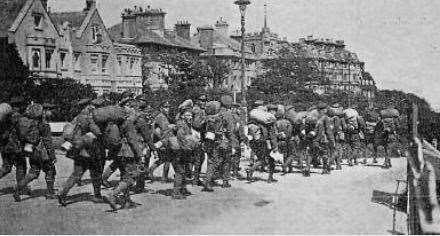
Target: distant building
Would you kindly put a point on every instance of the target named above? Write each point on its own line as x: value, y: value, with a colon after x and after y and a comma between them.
x: 145, y: 29
x: 92, y: 58
x: 218, y: 44
x: 27, y: 25
x: 341, y: 69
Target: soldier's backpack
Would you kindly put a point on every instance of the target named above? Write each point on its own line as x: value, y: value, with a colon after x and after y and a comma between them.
x: 389, y: 125
x: 283, y: 126
x: 370, y: 127
x: 27, y: 130
x: 107, y: 114
x: 352, y: 125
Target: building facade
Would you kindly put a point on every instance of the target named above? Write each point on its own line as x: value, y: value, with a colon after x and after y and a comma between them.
x: 218, y: 44
x: 145, y: 29
x: 92, y: 57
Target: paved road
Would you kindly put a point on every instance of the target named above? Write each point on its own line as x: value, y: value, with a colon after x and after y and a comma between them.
x: 335, y: 204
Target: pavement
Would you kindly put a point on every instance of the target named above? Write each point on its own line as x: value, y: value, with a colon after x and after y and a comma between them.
x: 340, y: 203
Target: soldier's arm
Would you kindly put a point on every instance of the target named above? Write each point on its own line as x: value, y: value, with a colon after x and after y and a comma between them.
x: 329, y: 130
x: 94, y: 128
x: 46, y: 139
x: 130, y: 133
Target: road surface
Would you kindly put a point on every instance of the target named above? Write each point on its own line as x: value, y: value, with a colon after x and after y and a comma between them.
x: 339, y: 203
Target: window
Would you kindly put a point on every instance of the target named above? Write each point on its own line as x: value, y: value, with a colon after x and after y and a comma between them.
x: 96, y: 34
x: 63, y: 58
x: 94, y: 63
x: 104, y: 63
x: 38, y: 22
x: 49, y: 54
x: 76, y: 58
x: 119, y: 59
x: 36, y: 58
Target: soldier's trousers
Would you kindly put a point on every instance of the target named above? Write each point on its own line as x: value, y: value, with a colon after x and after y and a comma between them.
x: 164, y: 158
x: 219, y: 159
x: 48, y: 167
x: 179, y: 161
x: 235, y: 159
x: 288, y: 149
x: 131, y: 170
x: 80, y: 166
x: 355, y: 151
x: 323, y: 151
x: 199, y: 158
x: 337, y: 154
x: 262, y: 152
x: 11, y: 159
x: 305, y: 155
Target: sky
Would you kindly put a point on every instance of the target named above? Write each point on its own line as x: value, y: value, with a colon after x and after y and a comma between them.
x: 399, y: 40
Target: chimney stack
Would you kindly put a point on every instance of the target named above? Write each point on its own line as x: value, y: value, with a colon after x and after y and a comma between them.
x: 90, y: 4
x: 206, y: 39
x: 222, y: 27
x: 129, y: 30
x: 183, y: 30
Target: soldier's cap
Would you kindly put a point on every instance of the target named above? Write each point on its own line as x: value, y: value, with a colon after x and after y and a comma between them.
x: 322, y: 105
x: 336, y: 105
x: 203, y: 98
x: 49, y: 105
x: 17, y: 100
x: 272, y: 107
x: 165, y: 104
x: 259, y: 102
x: 84, y: 101
x: 98, y: 102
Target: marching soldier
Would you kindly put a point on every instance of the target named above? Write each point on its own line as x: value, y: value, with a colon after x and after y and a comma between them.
x: 11, y: 149
x: 87, y: 154
x: 239, y: 133
x: 286, y: 145
x: 354, y: 129
x: 263, y: 139
x: 161, y: 128
x: 324, y: 142
x: 199, y: 124
x: 338, y: 124
x: 219, y: 133
x: 40, y: 150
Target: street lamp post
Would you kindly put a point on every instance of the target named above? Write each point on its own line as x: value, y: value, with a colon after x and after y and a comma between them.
x: 242, y: 4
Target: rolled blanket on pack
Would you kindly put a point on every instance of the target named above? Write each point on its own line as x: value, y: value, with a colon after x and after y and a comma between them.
x: 350, y: 113
x: 262, y: 116
x: 114, y: 114
x: 389, y: 113
x: 5, y: 110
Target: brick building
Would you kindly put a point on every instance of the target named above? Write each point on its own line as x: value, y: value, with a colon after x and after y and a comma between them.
x: 218, y: 44
x: 145, y: 29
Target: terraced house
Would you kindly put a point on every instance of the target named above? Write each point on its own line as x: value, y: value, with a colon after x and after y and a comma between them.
x: 70, y: 45
x: 145, y: 29
x: 92, y: 57
x: 27, y: 25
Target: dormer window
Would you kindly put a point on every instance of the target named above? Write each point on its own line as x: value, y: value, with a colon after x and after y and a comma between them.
x: 38, y: 21
x: 96, y: 34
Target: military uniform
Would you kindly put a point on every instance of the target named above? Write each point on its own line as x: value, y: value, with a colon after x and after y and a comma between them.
x: 199, y: 123
x: 43, y: 155
x: 161, y: 129
x: 90, y: 157
x: 219, y: 133
x: 324, y: 142
x: 11, y: 149
x: 285, y: 143
x: 353, y: 137
x: 338, y: 130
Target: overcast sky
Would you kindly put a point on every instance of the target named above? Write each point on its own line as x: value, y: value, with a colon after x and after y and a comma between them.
x: 398, y: 39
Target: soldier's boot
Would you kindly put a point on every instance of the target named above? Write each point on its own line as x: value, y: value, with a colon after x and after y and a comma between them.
x: 185, y: 191
x: 106, y: 176
x: 50, y: 192
x: 79, y: 183
x: 207, y: 186
x: 226, y: 184
x: 61, y: 200
x: 16, y: 195
x: 374, y: 160
x: 237, y: 174
x: 140, y: 184
x: 111, y: 197
x: 365, y: 161
x: 271, y: 179
x: 249, y: 175
x: 177, y: 194
x: 350, y: 162
x: 166, y: 169
x: 306, y: 172
x: 284, y: 170
x: 151, y: 171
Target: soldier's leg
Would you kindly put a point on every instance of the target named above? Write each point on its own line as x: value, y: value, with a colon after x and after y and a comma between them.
x: 271, y: 164
x: 338, y: 155
x: 307, y: 154
x: 227, y: 163
x: 199, y: 156
x: 79, y: 167
x: 96, y: 175
x: 108, y: 171
x: 20, y: 167
x: 127, y: 181
x: 50, y: 173
x: 179, y: 177
x: 212, y: 167
x: 33, y: 174
x: 7, y: 163
x: 325, y: 154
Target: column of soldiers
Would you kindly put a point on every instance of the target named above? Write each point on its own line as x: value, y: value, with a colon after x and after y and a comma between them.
x: 130, y: 133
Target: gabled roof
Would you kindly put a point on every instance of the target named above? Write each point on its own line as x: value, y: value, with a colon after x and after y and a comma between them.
x: 9, y: 11
x: 75, y: 19
x: 145, y: 36
x: 220, y: 39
